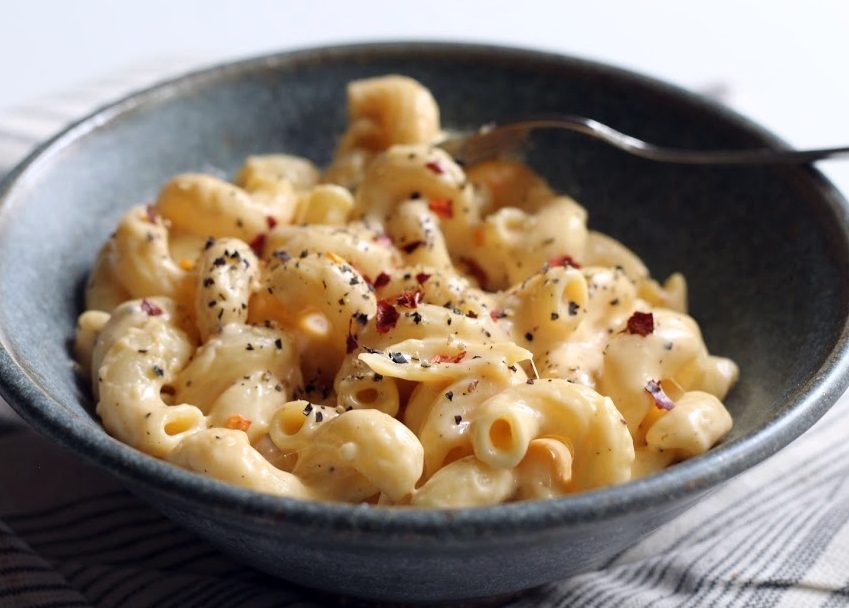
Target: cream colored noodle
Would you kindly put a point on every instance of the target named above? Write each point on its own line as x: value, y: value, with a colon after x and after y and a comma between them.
x: 398, y: 330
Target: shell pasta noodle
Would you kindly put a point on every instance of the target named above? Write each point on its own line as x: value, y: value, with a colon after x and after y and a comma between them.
x: 398, y: 329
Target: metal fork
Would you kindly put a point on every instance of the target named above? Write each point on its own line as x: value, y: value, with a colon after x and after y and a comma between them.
x: 496, y: 140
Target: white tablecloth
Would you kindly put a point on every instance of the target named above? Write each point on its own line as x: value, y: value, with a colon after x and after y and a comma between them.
x: 71, y: 536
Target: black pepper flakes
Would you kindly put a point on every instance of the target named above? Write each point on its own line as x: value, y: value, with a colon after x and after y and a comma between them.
x: 350, y: 343
x: 158, y: 371
x: 319, y: 416
x: 449, y: 395
x: 398, y: 358
x: 278, y: 343
x: 458, y: 419
x: 308, y: 409
x: 573, y: 308
x: 529, y: 336
x: 554, y: 316
x: 249, y: 346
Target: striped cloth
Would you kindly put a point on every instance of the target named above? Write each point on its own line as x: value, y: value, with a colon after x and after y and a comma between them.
x: 775, y: 536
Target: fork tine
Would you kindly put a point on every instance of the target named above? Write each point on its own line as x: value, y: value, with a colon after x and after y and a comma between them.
x: 485, y: 145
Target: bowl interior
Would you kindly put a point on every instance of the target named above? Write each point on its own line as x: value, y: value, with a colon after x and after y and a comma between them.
x: 764, y: 249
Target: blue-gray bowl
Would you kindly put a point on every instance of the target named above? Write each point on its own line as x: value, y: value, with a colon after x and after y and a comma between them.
x: 765, y: 251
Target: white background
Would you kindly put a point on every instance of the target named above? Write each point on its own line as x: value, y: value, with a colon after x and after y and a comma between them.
x: 784, y: 64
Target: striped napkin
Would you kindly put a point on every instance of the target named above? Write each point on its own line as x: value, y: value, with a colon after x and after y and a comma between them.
x: 71, y: 536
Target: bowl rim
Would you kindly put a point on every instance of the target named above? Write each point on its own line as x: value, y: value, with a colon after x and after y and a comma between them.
x: 24, y: 392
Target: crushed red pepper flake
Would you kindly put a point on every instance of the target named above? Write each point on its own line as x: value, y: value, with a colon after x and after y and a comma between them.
x: 383, y: 239
x: 449, y: 358
x: 497, y: 314
x: 563, y: 260
x: 410, y: 299
x: 258, y: 244
x: 237, y: 423
x: 435, y: 167
x: 150, y: 309
x: 641, y: 323
x: 270, y: 222
x: 422, y: 278
x: 387, y: 316
x: 412, y: 246
x: 381, y: 280
x: 151, y: 213
x: 661, y: 399
x: 442, y: 207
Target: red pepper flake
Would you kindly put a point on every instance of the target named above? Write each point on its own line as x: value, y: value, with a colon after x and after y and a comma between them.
x: 442, y: 207
x: 563, y: 260
x: 237, y: 423
x: 383, y: 239
x: 270, y: 222
x: 422, y: 277
x: 382, y: 280
x: 258, y: 244
x: 410, y: 299
x: 497, y: 314
x: 151, y: 213
x: 448, y: 358
x: 150, y: 309
x: 661, y: 399
x: 435, y: 167
x: 641, y: 323
x: 474, y: 269
x: 387, y: 316
x: 411, y: 247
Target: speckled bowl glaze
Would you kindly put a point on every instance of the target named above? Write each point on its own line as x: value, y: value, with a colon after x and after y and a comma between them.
x: 765, y: 251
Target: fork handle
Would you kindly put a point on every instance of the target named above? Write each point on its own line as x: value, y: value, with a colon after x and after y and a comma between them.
x: 632, y: 145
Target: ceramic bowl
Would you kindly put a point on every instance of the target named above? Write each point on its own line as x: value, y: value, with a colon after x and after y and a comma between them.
x: 765, y: 251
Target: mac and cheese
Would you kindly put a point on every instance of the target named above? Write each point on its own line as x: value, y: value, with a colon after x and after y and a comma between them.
x: 399, y: 330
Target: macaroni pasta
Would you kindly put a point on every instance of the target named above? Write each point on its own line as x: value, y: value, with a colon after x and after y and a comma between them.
x: 399, y: 330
